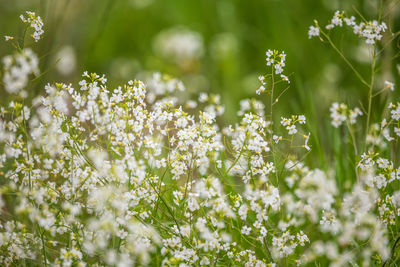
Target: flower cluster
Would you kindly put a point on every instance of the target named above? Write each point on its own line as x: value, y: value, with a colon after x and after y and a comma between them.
x: 35, y: 22
x: 313, y: 31
x: 17, y: 68
x: 290, y: 123
x: 94, y: 166
x: 132, y: 175
x: 179, y: 45
x: 371, y: 31
x: 261, y: 89
x: 277, y: 62
x: 276, y: 59
x: 340, y: 114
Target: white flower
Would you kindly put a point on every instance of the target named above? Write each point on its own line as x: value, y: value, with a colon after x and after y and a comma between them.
x: 366, y: 161
x: 35, y: 22
x: 192, y: 202
x: 243, y: 211
x: 306, y: 138
x: 386, y: 134
x: 292, y: 129
x: 350, y: 21
x: 397, y: 131
x: 245, y: 230
x: 337, y: 19
x: 340, y: 113
x: 302, y: 238
x: 389, y: 85
x: 380, y: 181
x: 337, y: 117
x: 302, y: 119
x: 277, y: 138
x: 263, y: 231
x: 66, y: 60
x: 313, y: 31
x: 396, y: 113
x: 371, y: 31
x: 17, y: 69
x: 260, y: 90
x: 285, y: 78
x: 261, y: 79
x: 179, y: 45
x: 285, y: 122
x: 382, y: 163
x: 354, y: 114
x: 204, y: 261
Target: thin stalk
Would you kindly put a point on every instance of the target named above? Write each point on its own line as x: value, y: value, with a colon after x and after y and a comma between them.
x: 43, y: 246
x: 268, y: 251
x: 353, y: 139
x: 240, y: 155
x: 272, y: 91
x: 371, y: 85
x: 344, y: 58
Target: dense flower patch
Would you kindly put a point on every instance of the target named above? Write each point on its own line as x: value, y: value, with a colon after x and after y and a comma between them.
x: 93, y: 175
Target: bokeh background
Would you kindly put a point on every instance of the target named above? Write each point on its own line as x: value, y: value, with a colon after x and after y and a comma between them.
x: 216, y: 46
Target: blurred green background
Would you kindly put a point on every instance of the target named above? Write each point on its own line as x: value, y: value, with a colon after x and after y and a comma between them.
x: 226, y: 41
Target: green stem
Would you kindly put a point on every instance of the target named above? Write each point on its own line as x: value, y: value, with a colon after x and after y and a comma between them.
x: 371, y: 85
x: 344, y: 58
x: 240, y: 154
x: 43, y: 246
x: 272, y: 91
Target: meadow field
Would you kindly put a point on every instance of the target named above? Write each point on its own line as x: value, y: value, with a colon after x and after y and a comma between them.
x: 194, y: 133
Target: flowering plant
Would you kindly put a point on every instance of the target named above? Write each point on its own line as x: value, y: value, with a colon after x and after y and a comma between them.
x: 93, y: 175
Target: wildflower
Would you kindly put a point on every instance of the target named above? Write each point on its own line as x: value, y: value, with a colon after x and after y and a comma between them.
x: 302, y: 238
x: 260, y: 90
x: 382, y: 163
x: 337, y: 115
x: 350, y: 21
x: 276, y: 59
x: 35, y: 22
x: 284, y: 244
x: 245, y: 230
x: 313, y: 31
x: 397, y: 131
x: 192, y: 202
x: 306, y: 139
x: 89, y: 167
x: 17, y: 69
x: 380, y: 181
x: 204, y: 261
x: 285, y: 78
x: 366, y: 161
x: 263, y: 231
x: 243, y: 211
x: 301, y: 119
x: 340, y: 113
x: 395, y: 112
x: 66, y: 63
x: 292, y: 129
x: 261, y: 79
x: 179, y: 45
x: 277, y: 138
x: 386, y: 134
x: 337, y: 20
x: 8, y: 38
x: 371, y: 31
x: 389, y: 85
x: 354, y: 114
x: 285, y: 122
